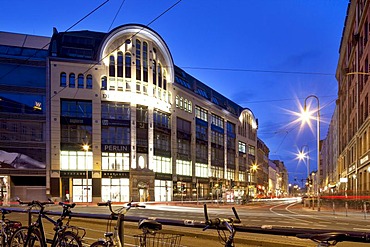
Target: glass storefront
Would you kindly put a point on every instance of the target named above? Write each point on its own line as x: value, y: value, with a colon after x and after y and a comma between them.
x: 116, y: 189
x: 81, y: 193
x: 163, y: 190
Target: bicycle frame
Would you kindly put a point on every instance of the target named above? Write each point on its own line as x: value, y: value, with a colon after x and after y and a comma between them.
x: 117, y: 237
x: 38, y: 225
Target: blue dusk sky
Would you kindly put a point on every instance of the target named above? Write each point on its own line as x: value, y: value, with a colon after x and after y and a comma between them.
x: 267, y: 55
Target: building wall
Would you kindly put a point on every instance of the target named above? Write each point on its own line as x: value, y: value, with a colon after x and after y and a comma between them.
x: 150, y: 168
x: 353, y: 100
x: 22, y: 116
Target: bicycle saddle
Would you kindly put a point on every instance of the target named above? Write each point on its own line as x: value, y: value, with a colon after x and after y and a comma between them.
x: 150, y: 224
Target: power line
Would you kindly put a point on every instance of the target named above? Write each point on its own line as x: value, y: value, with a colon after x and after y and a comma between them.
x: 259, y: 71
x: 42, y: 48
x: 119, y: 9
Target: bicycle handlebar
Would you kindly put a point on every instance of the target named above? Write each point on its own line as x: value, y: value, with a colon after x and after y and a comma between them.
x: 219, y: 221
x: 127, y: 207
x: 35, y: 203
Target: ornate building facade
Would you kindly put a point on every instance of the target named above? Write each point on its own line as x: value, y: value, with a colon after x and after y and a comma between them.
x: 125, y: 123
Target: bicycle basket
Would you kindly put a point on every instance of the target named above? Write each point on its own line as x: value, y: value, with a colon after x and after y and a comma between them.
x: 158, y: 240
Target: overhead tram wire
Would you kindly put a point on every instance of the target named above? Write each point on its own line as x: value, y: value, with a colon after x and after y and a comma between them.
x: 19, y: 64
x: 259, y: 71
x: 119, y: 9
x: 147, y: 25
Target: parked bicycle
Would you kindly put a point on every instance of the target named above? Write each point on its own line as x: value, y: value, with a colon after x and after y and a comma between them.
x: 221, y: 224
x: 114, y: 238
x: 34, y: 234
x: 325, y: 239
x: 8, y: 227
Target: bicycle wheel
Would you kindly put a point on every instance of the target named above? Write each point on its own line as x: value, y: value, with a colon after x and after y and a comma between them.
x: 99, y: 243
x: 20, y: 237
x: 69, y: 239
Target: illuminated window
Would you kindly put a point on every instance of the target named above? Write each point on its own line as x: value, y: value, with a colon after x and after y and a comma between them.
x: 183, y: 167
x: 242, y: 147
x: 115, y: 161
x: 162, y: 165
x: 80, y: 81
x: 72, y: 80
x: 177, y: 101
x: 201, y: 170
x: 63, y: 79
x: 89, y: 84
x: 190, y: 107
x: 201, y: 113
x: 76, y: 160
x: 115, y: 189
x: 185, y: 104
x: 181, y: 102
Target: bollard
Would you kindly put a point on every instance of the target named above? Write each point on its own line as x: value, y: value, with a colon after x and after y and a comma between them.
x: 346, y: 206
x: 365, y: 210
x: 333, y: 208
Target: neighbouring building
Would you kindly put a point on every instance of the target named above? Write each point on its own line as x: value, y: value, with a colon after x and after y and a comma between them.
x: 120, y: 121
x: 23, y: 140
x: 263, y: 168
x: 353, y: 163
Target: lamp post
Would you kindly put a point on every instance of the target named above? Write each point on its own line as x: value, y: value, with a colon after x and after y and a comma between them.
x: 86, y: 148
x: 302, y: 155
x: 318, y: 145
x: 252, y: 172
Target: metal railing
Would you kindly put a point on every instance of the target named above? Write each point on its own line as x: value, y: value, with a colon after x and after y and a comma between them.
x: 351, y: 236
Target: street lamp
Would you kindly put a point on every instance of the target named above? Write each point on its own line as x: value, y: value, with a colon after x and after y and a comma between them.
x: 253, y: 168
x: 86, y: 148
x: 318, y: 142
x: 303, y: 155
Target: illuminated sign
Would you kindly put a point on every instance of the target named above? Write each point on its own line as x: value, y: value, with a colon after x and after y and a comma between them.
x: 115, y: 148
x: 37, y: 106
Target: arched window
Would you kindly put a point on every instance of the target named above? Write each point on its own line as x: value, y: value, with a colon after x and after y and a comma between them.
x: 80, y: 81
x: 127, y: 65
x: 164, y: 80
x: 145, y: 61
x: 159, y: 75
x: 120, y: 64
x: 138, y: 60
x: 186, y: 105
x: 154, y: 73
x: 89, y: 84
x: 72, y: 80
x: 177, y: 101
x: 181, y: 102
x: 104, y: 84
x: 190, y: 107
x: 112, y: 65
x: 63, y: 79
